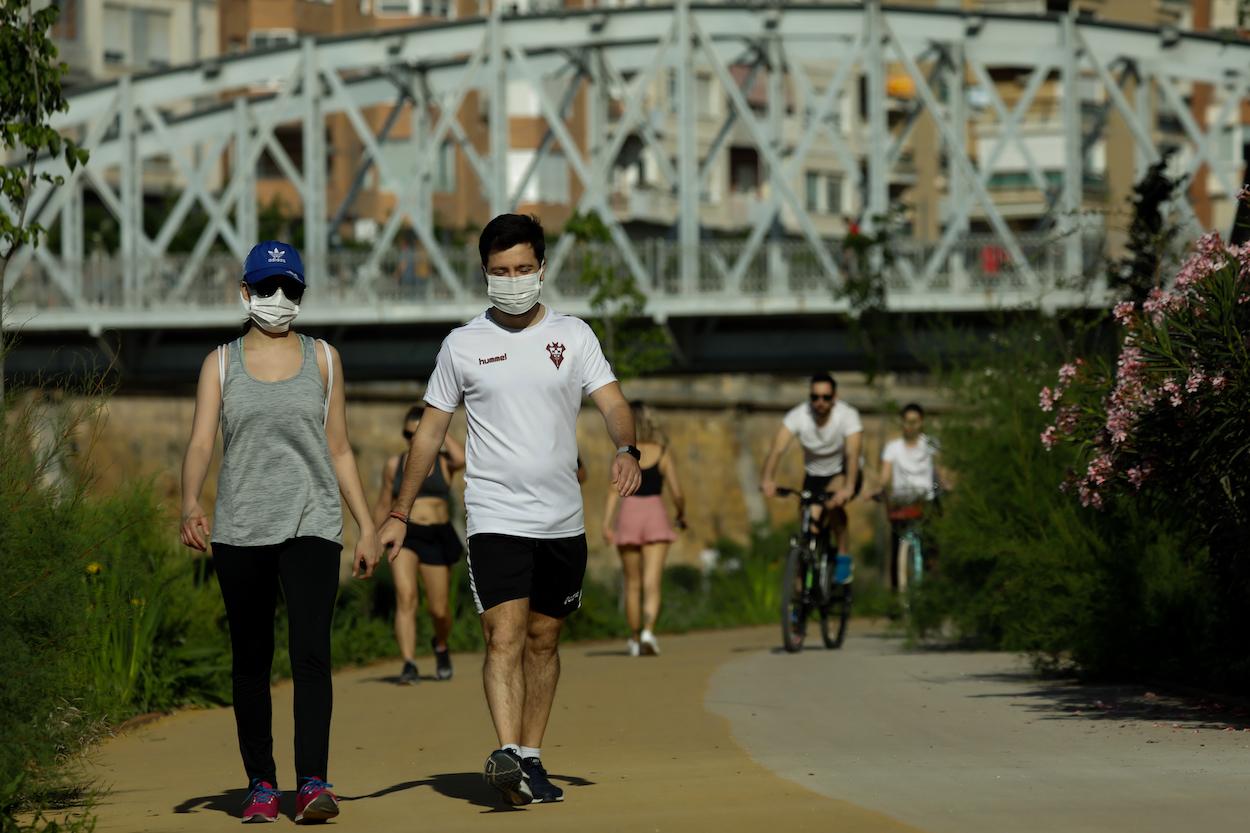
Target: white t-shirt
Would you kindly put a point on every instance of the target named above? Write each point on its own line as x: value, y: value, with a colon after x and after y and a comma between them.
x: 522, y: 392
x: 913, y: 474
x: 823, y: 445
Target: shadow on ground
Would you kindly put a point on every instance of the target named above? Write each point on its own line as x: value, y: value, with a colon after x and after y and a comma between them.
x: 461, y: 786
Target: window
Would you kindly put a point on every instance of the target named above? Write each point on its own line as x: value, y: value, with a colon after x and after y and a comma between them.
x: 445, y: 173
x: 116, y: 34
x: 744, y: 169
x: 149, y: 38
x: 438, y: 8
x: 271, y: 38
x: 401, y: 8
x: 823, y: 192
x: 67, y: 22
x: 553, y: 178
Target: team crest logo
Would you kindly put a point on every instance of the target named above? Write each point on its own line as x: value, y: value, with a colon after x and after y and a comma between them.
x: 556, y: 351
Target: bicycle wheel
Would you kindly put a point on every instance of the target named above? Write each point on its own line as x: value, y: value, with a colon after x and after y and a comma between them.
x: 834, y: 615
x: 793, y: 608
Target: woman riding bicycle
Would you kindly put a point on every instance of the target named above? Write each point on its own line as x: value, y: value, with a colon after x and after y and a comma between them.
x: 909, y: 478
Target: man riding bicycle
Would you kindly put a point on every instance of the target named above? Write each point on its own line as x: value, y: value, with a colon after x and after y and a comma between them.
x: 909, y: 477
x: 831, y: 435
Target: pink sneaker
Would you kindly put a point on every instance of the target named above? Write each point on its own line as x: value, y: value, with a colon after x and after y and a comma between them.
x: 262, y: 803
x: 315, y: 802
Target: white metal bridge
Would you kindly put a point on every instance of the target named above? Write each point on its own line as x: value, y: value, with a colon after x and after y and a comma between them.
x: 210, y: 122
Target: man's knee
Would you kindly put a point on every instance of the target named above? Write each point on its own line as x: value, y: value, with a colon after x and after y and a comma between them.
x: 505, y: 638
x: 543, y: 639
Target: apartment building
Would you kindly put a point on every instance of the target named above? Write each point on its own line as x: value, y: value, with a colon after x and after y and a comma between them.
x: 102, y: 40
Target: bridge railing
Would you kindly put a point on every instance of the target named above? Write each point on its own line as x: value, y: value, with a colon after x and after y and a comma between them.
x: 784, y: 276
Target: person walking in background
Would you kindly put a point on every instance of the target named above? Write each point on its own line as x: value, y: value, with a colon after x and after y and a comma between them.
x: 642, y: 533
x: 831, y: 435
x: 521, y: 370
x: 431, y: 547
x: 286, y: 461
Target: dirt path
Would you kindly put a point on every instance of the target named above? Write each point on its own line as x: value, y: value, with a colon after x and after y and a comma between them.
x: 966, y: 743
x: 631, y: 741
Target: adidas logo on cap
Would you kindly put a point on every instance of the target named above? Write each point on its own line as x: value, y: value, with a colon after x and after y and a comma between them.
x: 277, y: 256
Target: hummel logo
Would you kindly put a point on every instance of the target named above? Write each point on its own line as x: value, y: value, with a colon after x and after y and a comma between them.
x: 573, y: 598
x: 276, y: 256
x: 493, y: 359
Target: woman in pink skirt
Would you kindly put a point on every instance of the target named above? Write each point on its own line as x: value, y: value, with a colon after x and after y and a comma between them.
x: 642, y: 533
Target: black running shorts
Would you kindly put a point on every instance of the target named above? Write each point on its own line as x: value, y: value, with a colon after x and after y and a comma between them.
x: 436, y: 545
x: 816, y: 483
x: 547, y: 571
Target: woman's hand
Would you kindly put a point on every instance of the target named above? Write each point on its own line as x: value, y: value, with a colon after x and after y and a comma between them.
x: 368, y: 552
x: 609, y: 536
x: 196, y: 530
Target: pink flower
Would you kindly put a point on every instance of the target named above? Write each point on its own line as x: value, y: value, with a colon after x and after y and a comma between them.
x: 1046, y: 399
x: 1089, y: 497
x: 1195, y: 380
x: 1049, y: 438
x: 1137, y: 476
x: 1100, y: 469
x: 1123, y: 312
x: 1067, y: 373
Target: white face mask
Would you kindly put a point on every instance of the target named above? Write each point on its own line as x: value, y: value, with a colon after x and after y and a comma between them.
x: 515, y: 296
x: 273, y: 314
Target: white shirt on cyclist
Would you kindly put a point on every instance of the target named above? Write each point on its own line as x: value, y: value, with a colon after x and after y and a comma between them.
x: 824, y: 446
x: 913, y: 473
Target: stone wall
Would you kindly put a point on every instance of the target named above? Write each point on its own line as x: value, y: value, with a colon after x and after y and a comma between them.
x: 719, y: 428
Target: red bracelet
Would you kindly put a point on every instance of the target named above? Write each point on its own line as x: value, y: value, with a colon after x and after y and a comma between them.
x: 399, y: 516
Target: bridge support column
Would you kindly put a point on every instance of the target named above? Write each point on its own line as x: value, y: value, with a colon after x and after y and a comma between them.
x: 878, y: 187
x: 1073, y: 168
x: 246, y: 220
x: 687, y: 152
x: 131, y: 176
x: 956, y: 101
x: 314, y: 195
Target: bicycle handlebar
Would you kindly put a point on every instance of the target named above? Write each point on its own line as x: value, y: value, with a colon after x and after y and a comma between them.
x: 804, y: 495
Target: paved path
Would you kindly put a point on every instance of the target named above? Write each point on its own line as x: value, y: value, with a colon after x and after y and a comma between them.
x: 722, y: 733
x: 963, y: 743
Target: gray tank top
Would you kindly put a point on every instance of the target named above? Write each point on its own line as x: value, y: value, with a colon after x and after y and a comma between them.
x: 276, y: 480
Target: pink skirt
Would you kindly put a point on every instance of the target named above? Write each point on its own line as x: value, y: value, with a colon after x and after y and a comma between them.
x: 643, y: 520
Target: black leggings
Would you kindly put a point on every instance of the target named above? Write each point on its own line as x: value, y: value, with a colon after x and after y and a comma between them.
x: 308, y: 570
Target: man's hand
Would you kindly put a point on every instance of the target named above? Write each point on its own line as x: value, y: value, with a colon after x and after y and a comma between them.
x: 368, y: 553
x: 768, y: 487
x: 391, y: 537
x: 840, y: 498
x: 626, y: 476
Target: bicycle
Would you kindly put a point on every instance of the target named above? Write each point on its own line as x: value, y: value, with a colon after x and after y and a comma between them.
x: 808, y: 584
x: 905, y: 516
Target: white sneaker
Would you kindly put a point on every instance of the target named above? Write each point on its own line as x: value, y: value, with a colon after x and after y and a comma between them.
x: 634, y: 648
x: 650, y: 647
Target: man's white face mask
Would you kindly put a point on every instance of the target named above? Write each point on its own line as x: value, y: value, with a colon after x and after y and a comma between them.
x: 515, y: 296
x: 273, y: 314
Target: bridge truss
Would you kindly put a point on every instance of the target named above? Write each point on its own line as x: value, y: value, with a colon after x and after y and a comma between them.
x: 212, y: 125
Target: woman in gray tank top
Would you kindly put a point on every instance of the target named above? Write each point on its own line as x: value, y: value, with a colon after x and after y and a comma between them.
x: 278, y: 520
x: 430, y: 549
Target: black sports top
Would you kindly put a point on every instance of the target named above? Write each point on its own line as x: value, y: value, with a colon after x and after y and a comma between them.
x: 434, y: 486
x: 652, y: 480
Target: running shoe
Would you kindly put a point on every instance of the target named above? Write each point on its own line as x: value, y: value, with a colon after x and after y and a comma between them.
x: 409, y: 675
x: 443, y: 658
x: 544, y: 791
x: 315, y: 802
x: 262, y: 802
x: 650, y: 648
x: 505, y: 773
x: 633, y: 647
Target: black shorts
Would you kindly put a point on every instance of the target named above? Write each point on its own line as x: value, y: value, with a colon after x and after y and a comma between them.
x: 547, y: 571
x: 435, y: 544
x: 817, y: 483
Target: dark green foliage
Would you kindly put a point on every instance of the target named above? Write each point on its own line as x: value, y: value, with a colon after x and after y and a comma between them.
x: 1119, y: 592
x: 30, y: 93
x: 632, y: 343
x: 1152, y: 240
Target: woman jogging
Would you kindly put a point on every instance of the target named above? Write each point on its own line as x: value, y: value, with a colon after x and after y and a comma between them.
x: 430, y: 547
x: 642, y: 533
x: 278, y: 397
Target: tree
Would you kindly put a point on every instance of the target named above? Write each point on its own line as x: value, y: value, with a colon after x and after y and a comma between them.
x: 30, y: 93
x: 1151, y: 238
x: 630, y: 341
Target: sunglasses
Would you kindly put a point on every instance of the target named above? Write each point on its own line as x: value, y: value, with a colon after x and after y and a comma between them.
x: 822, y: 397
x: 291, y: 288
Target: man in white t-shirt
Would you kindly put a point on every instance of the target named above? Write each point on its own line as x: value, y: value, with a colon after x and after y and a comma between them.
x: 521, y: 371
x: 909, y: 478
x: 831, y: 436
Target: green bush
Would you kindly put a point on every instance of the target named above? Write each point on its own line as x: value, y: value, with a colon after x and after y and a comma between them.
x: 1024, y: 567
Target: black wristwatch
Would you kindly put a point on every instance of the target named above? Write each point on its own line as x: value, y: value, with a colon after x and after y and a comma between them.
x: 631, y: 450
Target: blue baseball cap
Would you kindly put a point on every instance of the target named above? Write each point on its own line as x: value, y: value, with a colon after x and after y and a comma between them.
x: 272, y: 257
